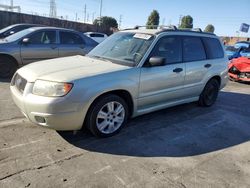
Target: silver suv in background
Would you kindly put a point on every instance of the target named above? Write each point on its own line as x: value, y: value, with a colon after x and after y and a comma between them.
x: 40, y: 43
x: 133, y: 72
x: 98, y: 37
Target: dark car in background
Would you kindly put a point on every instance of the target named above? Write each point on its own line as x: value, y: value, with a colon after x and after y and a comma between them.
x: 40, y: 43
x: 240, y: 49
x: 12, y: 29
x: 230, y: 50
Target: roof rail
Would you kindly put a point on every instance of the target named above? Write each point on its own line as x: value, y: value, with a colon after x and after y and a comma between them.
x: 161, y: 27
x: 166, y: 27
x: 192, y: 29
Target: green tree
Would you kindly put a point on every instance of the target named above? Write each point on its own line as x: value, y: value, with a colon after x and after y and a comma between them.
x: 209, y: 28
x: 105, y: 21
x: 186, y: 22
x: 153, y: 20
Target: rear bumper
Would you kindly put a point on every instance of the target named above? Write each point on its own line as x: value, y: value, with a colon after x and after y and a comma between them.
x: 56, y: 113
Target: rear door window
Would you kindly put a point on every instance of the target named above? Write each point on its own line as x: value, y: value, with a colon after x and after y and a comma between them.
x: 193, y: 49
x: 43, y: 37
x: 70, y: 38
x: 213, y: 48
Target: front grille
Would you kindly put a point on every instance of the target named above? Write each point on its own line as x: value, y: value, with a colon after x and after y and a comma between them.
x: 19, y: 82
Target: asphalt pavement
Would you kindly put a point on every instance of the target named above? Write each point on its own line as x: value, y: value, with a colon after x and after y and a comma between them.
x: 183, y: 146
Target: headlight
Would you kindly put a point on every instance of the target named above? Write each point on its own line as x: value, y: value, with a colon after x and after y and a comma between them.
x: 51, y: 89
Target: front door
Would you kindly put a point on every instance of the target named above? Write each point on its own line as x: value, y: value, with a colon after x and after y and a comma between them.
x: 41, y: 45
x: 160, y: 85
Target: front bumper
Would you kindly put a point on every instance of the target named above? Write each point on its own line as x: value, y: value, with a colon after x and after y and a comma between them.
x: 58, y: 113
x: 238, y: 77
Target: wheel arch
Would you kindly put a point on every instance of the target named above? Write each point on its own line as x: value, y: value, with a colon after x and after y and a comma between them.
x: 216, y: 77
x: 124, y: 94
x: 10, y: 57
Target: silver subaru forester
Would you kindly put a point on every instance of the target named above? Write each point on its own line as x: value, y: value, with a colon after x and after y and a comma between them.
x: 131, y: 73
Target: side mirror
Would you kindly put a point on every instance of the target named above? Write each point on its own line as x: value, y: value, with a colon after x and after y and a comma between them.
x: 156, y: 61
x: 25, y: 40
x: 12, y: 32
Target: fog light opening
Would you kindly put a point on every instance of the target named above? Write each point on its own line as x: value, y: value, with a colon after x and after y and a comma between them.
x: 40, y: 119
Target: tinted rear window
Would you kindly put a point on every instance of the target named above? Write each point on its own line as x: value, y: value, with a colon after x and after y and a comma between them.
x: 213, y: 48
x: 96, y: 35
x: 70, y: 38
x: 193, y: 49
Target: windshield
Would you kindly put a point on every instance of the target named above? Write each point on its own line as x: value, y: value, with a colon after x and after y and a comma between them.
x: 123, y: 48
x: 5, y: 29
x: 239, y: 44
x: 231, y: 49
x: 18, y: 35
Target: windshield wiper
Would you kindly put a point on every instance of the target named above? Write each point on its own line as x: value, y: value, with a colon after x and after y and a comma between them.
x: 99, y: 57
x: 129, y: 59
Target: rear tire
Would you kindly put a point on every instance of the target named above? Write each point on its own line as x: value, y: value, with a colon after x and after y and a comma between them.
x: 107, y: 116
x: 209, y: 93
x: 7, y: 67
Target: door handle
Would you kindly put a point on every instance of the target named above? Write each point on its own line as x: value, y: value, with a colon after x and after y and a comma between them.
x: 177, y: 70
x: 53, y: 47
x: 207, y: 65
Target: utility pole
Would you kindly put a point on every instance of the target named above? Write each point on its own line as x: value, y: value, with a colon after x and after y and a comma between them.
x: 120, y: 21
x: 100, y: 12
x: 88, y: 18
x: 52, y: 12
x: 180, y: 17
x: 11, y: 5
x: 93, y: 17
x: 85, y: 12
x: 76, y: 17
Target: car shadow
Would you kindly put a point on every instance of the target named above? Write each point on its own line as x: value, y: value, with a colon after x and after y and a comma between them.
x: 180, y: 131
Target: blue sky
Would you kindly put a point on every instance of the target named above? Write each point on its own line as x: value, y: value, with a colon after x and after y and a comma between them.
x: 225, y: 15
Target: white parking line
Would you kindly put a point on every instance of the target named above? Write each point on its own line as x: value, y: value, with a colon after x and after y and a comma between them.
x: 120, y: 180
x: 215, y: 123
x: 5, y: 123
x: 127, y: 159
x: 102, y: 169
x: 20, y: 145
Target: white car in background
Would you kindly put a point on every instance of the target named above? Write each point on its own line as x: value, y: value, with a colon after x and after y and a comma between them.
x: 98, y: 37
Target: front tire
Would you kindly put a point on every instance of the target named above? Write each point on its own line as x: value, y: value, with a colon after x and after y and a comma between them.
x: 210, y: 93
x: 107, y: 116
x: 7, y: 67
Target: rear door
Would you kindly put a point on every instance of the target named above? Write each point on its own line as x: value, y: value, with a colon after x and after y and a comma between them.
x: 42, y: 45
x: 71, y: 44
x: 198, y: 63
x: 163, y: 84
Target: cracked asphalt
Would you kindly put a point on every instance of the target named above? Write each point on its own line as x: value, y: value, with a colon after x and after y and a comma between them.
x: 183, y: 146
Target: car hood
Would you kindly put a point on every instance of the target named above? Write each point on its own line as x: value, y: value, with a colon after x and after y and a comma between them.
x: 68, y: 69
x: 241, y: 63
